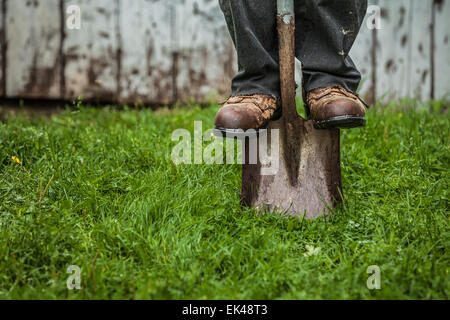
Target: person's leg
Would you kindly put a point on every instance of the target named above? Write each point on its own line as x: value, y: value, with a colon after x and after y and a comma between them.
x: 255, y: 90
x: 252, y: 26
x: 325, y: 33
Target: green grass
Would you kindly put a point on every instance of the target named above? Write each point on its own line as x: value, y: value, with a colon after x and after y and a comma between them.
x: 96, y: 188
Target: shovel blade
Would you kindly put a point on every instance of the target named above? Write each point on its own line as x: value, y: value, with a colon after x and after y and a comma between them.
x: 310, y: 187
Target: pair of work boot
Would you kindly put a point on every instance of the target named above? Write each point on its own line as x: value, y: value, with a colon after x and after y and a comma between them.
x: 330, y: 107
x: 325, y: 33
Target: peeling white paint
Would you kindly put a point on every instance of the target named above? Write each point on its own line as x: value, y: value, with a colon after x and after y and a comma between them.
x: 155, y: 51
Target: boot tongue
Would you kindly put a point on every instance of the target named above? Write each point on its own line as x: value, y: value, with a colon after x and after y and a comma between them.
x: 263, y: 102
x: 331, y: 93
x: 243, y: 99
x: 320, y: 93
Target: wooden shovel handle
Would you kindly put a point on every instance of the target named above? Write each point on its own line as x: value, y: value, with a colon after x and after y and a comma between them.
x: 290, y: 133
x: 286, y: 37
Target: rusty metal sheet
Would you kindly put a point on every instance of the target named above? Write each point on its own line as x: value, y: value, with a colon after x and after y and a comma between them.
x: 34, y: 38
x: 442, y: 49
x: 91, y: 54
x: 206, y: 59
x: 147, y: 51
x: 420, y: 50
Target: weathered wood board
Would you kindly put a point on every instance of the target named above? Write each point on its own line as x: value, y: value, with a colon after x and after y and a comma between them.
x: 91, y: 53
x: 147, y: 51
x: 206, y: 60
x: 442, y: 49
x: 161, y: 51
x: 361, y: 54
x: 33, y: 37
x: 393, y: 50
x: 420, y: 50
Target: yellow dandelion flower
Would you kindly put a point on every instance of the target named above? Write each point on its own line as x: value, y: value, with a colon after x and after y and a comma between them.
x: 15, y: 159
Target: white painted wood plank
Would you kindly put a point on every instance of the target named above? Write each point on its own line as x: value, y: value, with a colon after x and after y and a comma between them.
x: 420, y: 46
x: 361, y: 54
x: 147, y: 62
x: 91, y: 53
x: 207, y: 60
x: 33, y: 36
x: 1, y: 50
x: 442, y: 50
x: 151, y: 31
x: 393, y: 53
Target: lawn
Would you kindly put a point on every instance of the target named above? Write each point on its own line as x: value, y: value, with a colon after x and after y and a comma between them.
x: 96, y: 188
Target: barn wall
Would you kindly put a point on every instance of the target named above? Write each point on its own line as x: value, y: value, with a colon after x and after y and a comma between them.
x: 441, y: 36
x: 161, y: 51
x: 33, y: 39
x: 91, y: 54
x: 2, y: 47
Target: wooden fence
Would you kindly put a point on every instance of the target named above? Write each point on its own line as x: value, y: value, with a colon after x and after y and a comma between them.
x: 174, y: 50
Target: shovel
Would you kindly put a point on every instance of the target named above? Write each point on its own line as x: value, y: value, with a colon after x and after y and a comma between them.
x: 307, y: 182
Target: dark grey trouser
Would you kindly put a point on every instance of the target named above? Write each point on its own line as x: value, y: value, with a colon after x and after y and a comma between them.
x: 325, y: 32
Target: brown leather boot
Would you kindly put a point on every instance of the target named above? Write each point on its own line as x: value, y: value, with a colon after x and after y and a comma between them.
x: 335, y: 107
x: 240, y: 113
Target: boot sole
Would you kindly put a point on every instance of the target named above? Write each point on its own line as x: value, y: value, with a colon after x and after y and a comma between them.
x: 241, y: 133
x: 238, y: 133
x: 341, y: 122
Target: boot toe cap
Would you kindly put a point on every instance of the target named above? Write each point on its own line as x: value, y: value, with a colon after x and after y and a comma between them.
x: 235, y: 118
x: 340, y: 107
